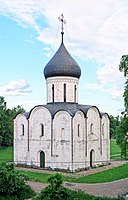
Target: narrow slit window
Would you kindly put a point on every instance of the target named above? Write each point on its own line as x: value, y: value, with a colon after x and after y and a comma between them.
x: 103, y: 129
x: 64, y: 92
x: 22, y: 129
x: 78, y: 130
x: 75, y: 93
x: 91, y: 129
x: 52, y: 92
x: 42, y: 129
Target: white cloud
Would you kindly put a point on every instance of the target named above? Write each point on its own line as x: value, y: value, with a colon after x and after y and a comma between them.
x: 109, y: 73
x: 15, y: 88
x: 98, y: 30
x: 95, y: 86
x: 24, y: 12
x: 109, y: 80
x: 97, y: 27
x: 26, y: 104
x: 29, y: 41
x: 116, y: 93
x: 48, y: 51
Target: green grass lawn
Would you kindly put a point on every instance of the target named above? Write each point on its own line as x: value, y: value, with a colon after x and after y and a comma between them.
x: 6, y: 154
x: 43, y: 178
x: 115, y: 150
x: 36, y: 176
x: 110, y: 175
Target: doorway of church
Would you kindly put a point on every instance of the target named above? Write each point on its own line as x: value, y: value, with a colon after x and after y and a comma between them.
x: 42, y: 159
x: 92, y: 158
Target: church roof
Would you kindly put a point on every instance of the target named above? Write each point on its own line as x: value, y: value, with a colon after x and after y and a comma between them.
x: 71, y: 108
x: 62, y: 64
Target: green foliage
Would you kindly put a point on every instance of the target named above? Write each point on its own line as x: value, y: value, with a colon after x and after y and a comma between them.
x: 8, y: 197
x: 12, y: 183
x: 1, y: 139
x: 123, y: 66
x: 114, y: 123
x: 81, y: 195
x: 126, y: 95
x: 119, y: 131
x: 122, y: 136
x: 6, y: 122
x: 56, y: 191
x: 123, y: 128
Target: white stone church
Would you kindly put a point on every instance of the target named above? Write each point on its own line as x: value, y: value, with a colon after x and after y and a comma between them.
x: 62, y: 134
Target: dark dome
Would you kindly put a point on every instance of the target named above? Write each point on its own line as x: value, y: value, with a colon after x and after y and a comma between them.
x: 62, y: 64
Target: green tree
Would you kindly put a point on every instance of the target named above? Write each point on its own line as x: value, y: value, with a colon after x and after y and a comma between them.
x: 123, y: 67
x: 1, y: 139
x: 122, y: 136
x: 114, y: 123
x: 122, y: 133
x: 55, y: 190
x: 6, y: 122
x: 13, y: 183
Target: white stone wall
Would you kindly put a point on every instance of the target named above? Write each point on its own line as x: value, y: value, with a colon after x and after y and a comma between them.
x: 105, y: 138
x: 79, y: 140
x: 58, y: 83
x: 21, y: 154
x: 62, y: 140
x: 37, y: 142
x: 93, y: 136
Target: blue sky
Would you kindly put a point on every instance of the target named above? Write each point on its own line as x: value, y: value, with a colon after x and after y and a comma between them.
x: 95, y: 35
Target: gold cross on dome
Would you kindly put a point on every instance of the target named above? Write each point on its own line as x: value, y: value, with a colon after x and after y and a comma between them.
x: 62, y: 20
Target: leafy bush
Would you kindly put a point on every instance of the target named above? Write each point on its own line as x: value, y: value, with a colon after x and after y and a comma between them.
x: 56, y: 191
x: 8, y: 197
x: 12, y: 183
x: 81, y: 195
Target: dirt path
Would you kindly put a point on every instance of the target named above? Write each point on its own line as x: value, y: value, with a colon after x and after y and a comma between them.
x: 112, y: 189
